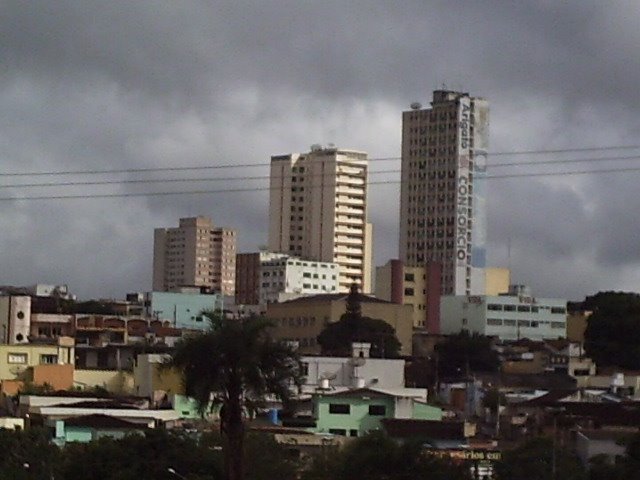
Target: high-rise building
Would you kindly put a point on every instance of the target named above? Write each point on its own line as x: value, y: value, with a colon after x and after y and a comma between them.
x: 442, y: 205
x: 318, y: 211
x: 195, y: 254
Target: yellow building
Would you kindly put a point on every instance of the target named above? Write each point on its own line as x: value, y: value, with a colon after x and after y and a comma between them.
x: 303, y: 319
x: 398, y: 283
x: 38, y: 363
x: 577, y: 324
x: 153, y: 380
x: 497, y: 280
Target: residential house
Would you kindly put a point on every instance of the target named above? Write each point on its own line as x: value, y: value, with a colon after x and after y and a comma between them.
x: 355, y: 412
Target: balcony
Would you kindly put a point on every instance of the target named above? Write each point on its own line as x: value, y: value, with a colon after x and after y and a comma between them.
x: 345, y: 250
x: 344, y: 200
x: 347, y: 261
x: 343, y: 223
x: 350, y: 240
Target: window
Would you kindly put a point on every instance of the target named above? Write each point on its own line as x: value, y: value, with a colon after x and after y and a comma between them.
x: 353, y: 433
x: 340, y: 408
x: 17, y: 358
x: 408, y: 277
x: 509, y: 308
x: 377, y: 410
x: 408, y: 292
x: 510, y: 323
x: 560, y: 310
x: 524, y: 323
x: 494, y: 321
x: 557, y: 324
x: 524, y: 308
x: 494, y: 307
x: 46, y: 359
x: 338, y: 431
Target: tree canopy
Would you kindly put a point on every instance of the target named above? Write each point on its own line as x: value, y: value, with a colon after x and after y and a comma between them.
x: 612, y: 337
x: 535, y: 461
x: 235, y: 365
x: 465, y: 352
x: 377, y: 457
x: 337, y: 337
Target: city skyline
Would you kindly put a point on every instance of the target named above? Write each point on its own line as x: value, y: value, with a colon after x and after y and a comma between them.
x: 116, y: 86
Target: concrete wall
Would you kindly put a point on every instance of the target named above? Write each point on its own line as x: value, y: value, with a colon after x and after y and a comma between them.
x: 59, y: 377
x: 341, y: 371
x: 150, y: 377
x: 114, y: 381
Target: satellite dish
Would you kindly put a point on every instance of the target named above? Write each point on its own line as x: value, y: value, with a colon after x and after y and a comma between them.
x: 416, y: 106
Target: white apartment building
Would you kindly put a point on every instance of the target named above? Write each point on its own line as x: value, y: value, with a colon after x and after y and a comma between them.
x: 511, y: 316
x: 318, y: 211
x: 286, y: 278
x: 195, y: 254
x: 442, y: 203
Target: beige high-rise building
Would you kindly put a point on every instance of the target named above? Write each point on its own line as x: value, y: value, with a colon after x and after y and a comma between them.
x: 318, y: 211
x: 194, y: 254
x: 442, y: 203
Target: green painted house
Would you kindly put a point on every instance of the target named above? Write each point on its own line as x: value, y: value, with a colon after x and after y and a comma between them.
x: 355, y: 412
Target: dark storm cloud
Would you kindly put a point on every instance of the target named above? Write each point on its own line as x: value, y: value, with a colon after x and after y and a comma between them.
x: 94, y: 85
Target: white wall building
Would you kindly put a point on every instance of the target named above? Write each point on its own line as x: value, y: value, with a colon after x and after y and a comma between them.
x: 510, y: 317
x: 442, y: 198
x: 351, y: 372
x: 15, y: 319
x: 318, y: 211
x: 286, y: 278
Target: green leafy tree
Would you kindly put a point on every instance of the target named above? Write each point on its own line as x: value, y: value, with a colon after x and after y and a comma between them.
x: 337, y: 337
x: 28, y: 454
x: 235, y: 364
x: 465, y: 352
x: 377, y: 457
x: 141, y: 457
x: 535, y: 461
x: 612, y: 337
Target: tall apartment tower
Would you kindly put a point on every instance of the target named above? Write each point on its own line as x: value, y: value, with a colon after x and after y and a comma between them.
x: 442, y: 204
x: 194, y: 254
x: 318, y: 211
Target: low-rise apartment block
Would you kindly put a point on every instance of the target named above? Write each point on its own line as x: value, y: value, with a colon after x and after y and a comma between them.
x: 515, y: 315
x: 303, y: 319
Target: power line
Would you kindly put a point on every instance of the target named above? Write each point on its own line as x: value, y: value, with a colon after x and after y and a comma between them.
x: 254, y: 165
x: 266, y: 177
x: 255, y: 189
x: 564, y: 161
x: 159, y: 180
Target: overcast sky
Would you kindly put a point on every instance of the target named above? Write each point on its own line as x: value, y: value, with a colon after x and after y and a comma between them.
x: 94, y: 85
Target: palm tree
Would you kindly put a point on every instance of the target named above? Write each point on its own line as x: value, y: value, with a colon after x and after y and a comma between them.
x: 235, y: 364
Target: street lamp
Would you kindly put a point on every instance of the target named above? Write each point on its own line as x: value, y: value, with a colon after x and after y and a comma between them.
x: 172, y: 471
